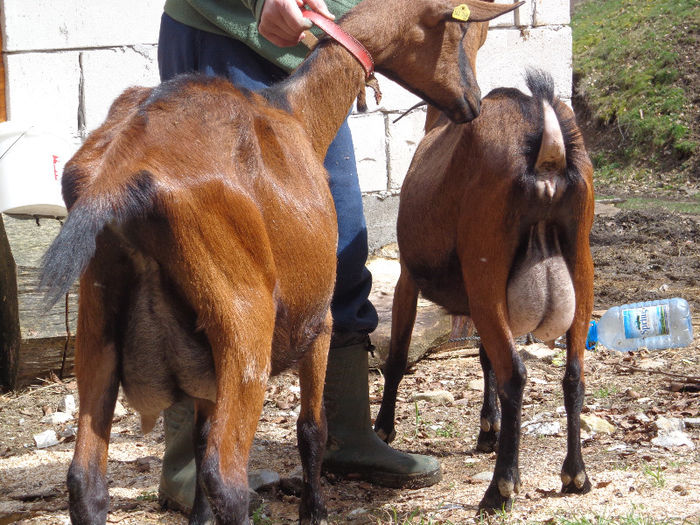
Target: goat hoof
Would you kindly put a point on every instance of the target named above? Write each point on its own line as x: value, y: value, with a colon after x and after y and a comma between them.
x: 580, y: 484
x: 487, y: 441
x: 493, y: 501
x: 386, y: 438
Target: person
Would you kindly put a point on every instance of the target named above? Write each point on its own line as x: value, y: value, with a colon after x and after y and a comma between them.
x: 255, y: 43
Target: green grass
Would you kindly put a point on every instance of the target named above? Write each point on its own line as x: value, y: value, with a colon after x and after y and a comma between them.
x: 641, y: 203
x: 633, y: 518
x: 626, y: 54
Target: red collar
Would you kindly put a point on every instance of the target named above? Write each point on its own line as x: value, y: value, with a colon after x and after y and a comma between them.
x: 346, y: 40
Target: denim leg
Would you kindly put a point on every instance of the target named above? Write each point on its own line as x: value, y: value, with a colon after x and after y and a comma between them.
x: 351, y: 308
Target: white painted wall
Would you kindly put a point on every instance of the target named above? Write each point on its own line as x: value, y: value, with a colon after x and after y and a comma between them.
x: 66, y: 61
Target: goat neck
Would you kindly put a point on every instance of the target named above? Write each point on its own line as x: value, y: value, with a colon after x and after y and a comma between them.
x: 322, y: 90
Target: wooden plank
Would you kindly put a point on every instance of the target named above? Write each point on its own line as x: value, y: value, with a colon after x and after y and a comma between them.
x: 40, y: 357
x: 3, y: 106
x: 42, y: 333
x: 9, y: 315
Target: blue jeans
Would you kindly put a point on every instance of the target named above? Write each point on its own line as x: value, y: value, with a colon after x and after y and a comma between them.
x: 183, y: 49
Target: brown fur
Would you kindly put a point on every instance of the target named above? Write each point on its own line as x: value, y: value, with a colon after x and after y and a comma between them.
x: 214, y: 236
x: 480, y: 234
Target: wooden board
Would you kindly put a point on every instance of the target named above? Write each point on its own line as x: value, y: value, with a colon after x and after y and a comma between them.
x: 3, y: 107
x: 42, y: 333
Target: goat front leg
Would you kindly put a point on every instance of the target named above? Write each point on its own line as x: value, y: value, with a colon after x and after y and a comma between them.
x: 403, y: 317
x: 573, y: 473
x: 490, y: 424
x: 98, y: 385
x: 311, y: 427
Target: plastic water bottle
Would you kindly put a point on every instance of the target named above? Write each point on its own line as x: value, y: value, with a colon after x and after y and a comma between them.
x: 653, y: 324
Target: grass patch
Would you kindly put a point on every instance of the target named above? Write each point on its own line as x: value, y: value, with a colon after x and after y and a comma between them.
x: 641, y: 203
x: 633, y: 518
x: 627, y: 56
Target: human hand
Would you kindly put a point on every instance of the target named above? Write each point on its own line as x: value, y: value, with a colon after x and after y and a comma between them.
x: 282, y: 23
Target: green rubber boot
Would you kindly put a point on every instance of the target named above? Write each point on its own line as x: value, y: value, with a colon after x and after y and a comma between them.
x: 353, y: 449
x: 178, y: 477
x: 179, y: 474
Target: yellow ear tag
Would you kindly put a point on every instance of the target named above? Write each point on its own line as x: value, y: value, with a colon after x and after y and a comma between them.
x: 461, y: 12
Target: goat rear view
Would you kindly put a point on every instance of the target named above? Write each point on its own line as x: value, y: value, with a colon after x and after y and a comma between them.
x: 493, y: 223
x: 203, y: 231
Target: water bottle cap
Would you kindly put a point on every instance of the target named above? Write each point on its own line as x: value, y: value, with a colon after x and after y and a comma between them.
x: 592, y: 339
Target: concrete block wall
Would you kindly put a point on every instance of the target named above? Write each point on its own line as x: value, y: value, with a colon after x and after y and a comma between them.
x: 66, y: 61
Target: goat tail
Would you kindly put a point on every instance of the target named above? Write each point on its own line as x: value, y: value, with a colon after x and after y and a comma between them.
x: 71, y: 251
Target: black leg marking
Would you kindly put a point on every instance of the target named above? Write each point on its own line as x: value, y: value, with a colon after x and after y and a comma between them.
x: 506, y: 475
x: 88, y: 496
x: 490, y: 415
x: 573, y: 472
x: 312, y: 442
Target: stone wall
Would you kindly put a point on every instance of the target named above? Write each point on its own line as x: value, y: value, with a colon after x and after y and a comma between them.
x: 66, y: 60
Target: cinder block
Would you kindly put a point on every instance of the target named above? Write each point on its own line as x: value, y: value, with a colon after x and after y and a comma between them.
x: 108, y: 72
x: 43, y: 89
x: 73, y: 24
x: 381, y: 209
x: 369, y: 137
x: 507, y: 20
x: 524, y: 13
x: 404, y: 137
x: 507, y: 54
x: 551, y: 12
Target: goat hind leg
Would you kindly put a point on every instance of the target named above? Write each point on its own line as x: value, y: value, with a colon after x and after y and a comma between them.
x: 312, y: 431
x: 242, y: 371
x: 573, y: 473
x: 403, y: 317
x: 97, y: 387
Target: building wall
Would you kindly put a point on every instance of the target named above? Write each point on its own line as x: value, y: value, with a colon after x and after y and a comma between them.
x: 66, y: 60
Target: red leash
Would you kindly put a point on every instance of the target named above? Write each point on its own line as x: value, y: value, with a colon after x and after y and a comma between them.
x: 346, y: 40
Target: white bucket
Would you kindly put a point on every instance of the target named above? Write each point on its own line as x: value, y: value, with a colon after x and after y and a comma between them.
x: 31, y: 166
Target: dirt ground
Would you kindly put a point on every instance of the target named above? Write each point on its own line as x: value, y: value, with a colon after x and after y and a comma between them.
x: 638, y: 256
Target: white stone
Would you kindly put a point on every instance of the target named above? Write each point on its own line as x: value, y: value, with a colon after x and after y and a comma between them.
x: 508, y: 53
x: 68, y: 406
x: 550, y: 12
x: 675, y: 438
x: 369, y: 138
x: 591, y: 423
x: 547, y: 428
x: 108, y: 72
x: 262, y: 478
x: 56, y: 418
x: 46, y: 439
x: 437, y: 397
x: 119, y: 411
x: 43, y: 89
x: 540, y: 352
x: 71, y: 24
x: 476, y: 384
x: 404, y: 137
x: 483, y: 476
x: 692, y: 422
x: 666, y: 425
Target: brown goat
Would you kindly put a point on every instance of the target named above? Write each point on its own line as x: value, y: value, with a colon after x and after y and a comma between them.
x: 493, y: 223
x: 202, y: 228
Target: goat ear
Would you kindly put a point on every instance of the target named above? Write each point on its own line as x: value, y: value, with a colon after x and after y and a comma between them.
x: 482, y: 11
x: 552, y: 154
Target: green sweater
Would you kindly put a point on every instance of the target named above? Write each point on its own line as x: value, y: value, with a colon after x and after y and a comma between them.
x: 239, y: 19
